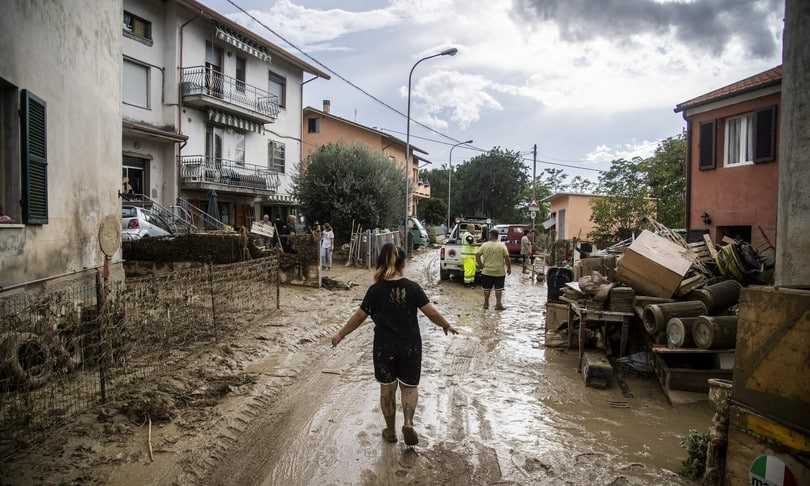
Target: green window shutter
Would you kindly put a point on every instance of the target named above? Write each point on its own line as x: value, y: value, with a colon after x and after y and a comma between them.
x: 34, y: 157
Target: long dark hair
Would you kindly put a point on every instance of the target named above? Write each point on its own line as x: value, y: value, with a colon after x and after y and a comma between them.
x: 390, y: 261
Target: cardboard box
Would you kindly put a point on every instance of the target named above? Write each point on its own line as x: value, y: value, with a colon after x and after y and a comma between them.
x: 653, y: 266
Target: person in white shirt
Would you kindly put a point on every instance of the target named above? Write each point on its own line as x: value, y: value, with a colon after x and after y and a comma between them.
x: 327, y: 241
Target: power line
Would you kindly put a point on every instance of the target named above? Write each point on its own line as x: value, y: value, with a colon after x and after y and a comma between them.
x: 383, y: 103
x: 336, y: 74
x: 478, y: 149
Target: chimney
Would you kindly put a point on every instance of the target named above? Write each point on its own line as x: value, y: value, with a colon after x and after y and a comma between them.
x: 327, y: 105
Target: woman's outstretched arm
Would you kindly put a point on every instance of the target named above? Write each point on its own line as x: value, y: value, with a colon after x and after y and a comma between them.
x: 432, y: 313
x: 354, y: 322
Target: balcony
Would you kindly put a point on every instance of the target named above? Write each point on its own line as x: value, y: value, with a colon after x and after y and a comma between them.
x: 421, y: 190
x: 198, y: 172
x: 203, y: 87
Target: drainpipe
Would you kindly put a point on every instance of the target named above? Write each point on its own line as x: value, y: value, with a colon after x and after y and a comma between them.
x: 180, y: 102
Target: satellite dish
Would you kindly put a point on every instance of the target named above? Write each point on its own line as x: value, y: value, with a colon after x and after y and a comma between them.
x: 109, y: 235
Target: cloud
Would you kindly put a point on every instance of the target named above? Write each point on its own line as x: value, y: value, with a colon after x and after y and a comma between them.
x: 604, y: 153
x: 310, y: 26
x: 459, y: 97
x: 314, y: 27
x: 708, y: 25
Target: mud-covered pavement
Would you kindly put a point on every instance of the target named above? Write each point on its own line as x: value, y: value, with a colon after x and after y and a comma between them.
x: 495, y: 407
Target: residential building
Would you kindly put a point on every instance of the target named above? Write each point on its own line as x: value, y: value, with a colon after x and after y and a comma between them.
x: 322, y: 127
x: 570, y: 215
x: 732, y: 166
x: 60, y: 128
x: 210, y: 112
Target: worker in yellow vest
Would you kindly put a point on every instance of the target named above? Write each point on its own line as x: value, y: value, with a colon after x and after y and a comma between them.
x: 468, y: 257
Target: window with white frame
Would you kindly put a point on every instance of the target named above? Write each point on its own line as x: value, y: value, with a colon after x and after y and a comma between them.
x: 739, y: 143
x: 278, y: 87
x: 276, y: 155
x: 135, y: 84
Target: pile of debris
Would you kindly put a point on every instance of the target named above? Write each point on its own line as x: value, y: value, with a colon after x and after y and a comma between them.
x: 677, y: 301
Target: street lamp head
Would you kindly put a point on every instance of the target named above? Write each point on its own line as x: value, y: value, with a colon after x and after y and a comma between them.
x: 449, y: 52
x: 468, y: 141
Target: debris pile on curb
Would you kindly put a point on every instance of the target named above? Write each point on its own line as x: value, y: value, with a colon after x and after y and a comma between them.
x: 657, y: 294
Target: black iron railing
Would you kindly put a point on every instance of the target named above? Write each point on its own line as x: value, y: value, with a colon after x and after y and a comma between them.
x: 203, y: 80
x: 231, y: 173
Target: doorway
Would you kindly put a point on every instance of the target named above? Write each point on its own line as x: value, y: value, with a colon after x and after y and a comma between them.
x: 213, y: 146
x: 214, y: 81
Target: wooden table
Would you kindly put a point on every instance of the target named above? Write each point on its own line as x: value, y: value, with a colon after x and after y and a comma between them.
x: 584, y: 315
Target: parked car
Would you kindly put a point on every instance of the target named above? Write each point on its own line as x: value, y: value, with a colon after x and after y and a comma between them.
x: 417, y: 233
x: 510, y: 235
x: 451, y: 263
x: 137, y: 223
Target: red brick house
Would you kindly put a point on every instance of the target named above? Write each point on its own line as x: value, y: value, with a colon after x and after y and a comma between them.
x: 732, y: 174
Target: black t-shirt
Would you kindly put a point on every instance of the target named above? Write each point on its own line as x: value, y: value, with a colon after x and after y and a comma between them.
x: 392, y: 305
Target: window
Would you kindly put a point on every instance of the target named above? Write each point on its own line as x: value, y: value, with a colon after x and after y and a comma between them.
x: 9, y: 154
x: 135, y: 84
x: 137, y: 28
x: 313, y: 125
x: 739, y: 146
x: 561, y: 224
x: 240, y: 74
x: 706, y: 146
x: 276, y: 155
x: 133, y: 176
x: 278, y: 87
x: 239, y: 151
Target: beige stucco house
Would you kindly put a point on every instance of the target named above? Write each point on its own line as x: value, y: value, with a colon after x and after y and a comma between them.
x: 322, y: 127
x: 570, y: 215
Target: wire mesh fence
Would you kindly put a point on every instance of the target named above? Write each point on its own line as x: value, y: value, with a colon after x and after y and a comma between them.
x: 63, y: 351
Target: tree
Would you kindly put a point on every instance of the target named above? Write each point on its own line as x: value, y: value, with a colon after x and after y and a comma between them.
x: 625, y: 202
x: 489, y: 185
x: 351, y: 183
x: 665, y: 172
x: 554, y: 180
x: 432, y: 211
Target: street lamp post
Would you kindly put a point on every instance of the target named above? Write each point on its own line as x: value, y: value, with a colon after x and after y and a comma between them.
x: 447, y: 52
x: 450, y: 178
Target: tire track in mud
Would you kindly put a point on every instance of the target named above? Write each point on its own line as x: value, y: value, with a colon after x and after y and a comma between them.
x: 230, y: 431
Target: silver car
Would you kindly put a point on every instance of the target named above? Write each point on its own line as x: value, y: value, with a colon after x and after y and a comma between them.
x: 137, y: 223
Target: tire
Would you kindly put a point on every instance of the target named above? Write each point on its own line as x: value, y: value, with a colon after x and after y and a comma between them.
x: 26, y: 359
x: 444, y: 274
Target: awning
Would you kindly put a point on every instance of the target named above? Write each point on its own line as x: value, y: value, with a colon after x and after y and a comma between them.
x: 234, y: 121
x: 550, y: 222
x: 237, y: 42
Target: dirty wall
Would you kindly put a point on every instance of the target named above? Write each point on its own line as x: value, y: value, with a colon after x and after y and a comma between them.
x: 72, y: 61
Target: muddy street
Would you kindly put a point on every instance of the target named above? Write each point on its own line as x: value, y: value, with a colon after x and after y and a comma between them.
x: 495, y: 407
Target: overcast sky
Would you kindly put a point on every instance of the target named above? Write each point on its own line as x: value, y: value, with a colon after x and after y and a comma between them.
x: 587, y: 81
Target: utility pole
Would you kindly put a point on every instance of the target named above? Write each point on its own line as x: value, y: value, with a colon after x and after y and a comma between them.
x: 534, y: 175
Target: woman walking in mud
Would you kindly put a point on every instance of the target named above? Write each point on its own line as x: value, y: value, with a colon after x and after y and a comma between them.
x: 392, y: 302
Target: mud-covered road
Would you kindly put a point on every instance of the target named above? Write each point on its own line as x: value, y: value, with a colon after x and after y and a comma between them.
x: 495, y: 407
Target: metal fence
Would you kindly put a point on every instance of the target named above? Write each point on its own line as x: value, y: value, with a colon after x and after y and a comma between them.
x: 64, y: 351
x: 370, y: 242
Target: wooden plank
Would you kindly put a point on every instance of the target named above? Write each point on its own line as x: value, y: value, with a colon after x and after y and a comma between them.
x: 691, y: 284
x: 728, y: 241
x: 710, y: 245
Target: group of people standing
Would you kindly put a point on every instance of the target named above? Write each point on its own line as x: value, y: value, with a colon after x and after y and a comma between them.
x: 494, y: 261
